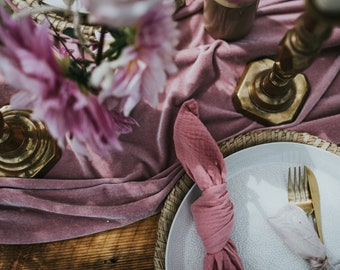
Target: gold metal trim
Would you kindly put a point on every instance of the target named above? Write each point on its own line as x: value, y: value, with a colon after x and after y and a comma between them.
x: 228, y: 21
x: 250, y: 99
x: 26, y: 148
x: 229, y: 4
x: 273, y: 92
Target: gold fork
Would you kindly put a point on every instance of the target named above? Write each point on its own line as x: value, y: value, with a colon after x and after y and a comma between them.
x: 299, y: 193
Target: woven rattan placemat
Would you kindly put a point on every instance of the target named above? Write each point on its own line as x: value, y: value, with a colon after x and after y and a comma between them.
x: 59, y: 22
x: 228, y: 147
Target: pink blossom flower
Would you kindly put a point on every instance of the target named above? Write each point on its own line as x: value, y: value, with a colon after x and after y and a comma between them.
x: 117, y: 13
x: 142, y: 69
x: 120, y: 81
x: 29, y: 65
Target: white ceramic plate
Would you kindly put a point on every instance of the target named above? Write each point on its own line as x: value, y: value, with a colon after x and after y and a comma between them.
x: 257, y: 181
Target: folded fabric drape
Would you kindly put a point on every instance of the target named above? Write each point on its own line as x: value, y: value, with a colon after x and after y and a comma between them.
x: 82, y: 196
x: 213, y: 211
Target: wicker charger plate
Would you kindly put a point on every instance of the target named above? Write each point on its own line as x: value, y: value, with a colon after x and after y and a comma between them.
x: 59, y: 22
x: 228, y: 147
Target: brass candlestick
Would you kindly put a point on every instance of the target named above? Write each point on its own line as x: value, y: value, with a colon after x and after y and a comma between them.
x: 26, y: 148
x: 273, y: 92
x: 228, y: 20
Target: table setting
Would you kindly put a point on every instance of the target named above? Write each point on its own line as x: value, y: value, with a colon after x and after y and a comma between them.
x: 257, y: 186
x: 146, y: 187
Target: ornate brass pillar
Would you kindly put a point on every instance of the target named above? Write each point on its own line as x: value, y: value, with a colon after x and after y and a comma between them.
x: 26, y: 148
x: 273, y: 92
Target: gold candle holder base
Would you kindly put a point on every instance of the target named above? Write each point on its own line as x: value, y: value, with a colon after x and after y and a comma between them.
x: 26, y: 148
x: 251, y: 99
x: 273, y: 92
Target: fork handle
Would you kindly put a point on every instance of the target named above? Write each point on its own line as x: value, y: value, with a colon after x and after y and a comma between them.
x: 306, y: 206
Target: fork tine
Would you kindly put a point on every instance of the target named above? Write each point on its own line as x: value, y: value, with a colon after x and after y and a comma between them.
x: 296, y: 187
x: 306, y: 185
x: 302, y: 183
x: 291, y: 196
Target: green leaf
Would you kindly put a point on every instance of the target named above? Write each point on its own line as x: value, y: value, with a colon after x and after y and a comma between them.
x: 70, y: 32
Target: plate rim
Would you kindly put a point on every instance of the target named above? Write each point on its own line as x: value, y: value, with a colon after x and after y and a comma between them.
x: 227, y: 147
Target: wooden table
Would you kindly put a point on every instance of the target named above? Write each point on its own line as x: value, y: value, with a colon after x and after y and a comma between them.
x: 130, y: 247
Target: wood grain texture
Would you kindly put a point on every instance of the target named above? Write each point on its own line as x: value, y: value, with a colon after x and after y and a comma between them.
x: 130, y: 247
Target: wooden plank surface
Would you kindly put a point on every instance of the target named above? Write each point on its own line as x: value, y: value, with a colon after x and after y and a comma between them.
x: 130, y: 247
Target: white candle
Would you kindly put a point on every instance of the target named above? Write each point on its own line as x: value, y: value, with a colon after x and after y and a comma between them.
x: 331, y: 6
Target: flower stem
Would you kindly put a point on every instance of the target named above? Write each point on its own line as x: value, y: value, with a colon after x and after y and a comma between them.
x: 101, y: 46
x: 60, y: 39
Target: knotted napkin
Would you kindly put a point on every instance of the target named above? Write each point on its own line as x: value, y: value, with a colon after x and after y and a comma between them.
x: 293, y: 226
x: 212, y: 211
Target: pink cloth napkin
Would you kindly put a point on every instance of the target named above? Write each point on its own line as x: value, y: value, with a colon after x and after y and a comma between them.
x: 82, y: 196
x: 213, y: 211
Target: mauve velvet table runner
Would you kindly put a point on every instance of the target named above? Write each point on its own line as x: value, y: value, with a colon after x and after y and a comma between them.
x: 81, y: 196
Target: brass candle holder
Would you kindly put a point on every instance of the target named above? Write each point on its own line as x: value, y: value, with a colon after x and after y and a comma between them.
x: 224, y: 19
x: 26, y: 148
x: 273, y: 92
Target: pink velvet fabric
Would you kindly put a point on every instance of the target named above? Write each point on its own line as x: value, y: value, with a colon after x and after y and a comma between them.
x: 213, y: 212
x: 80, y: 196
